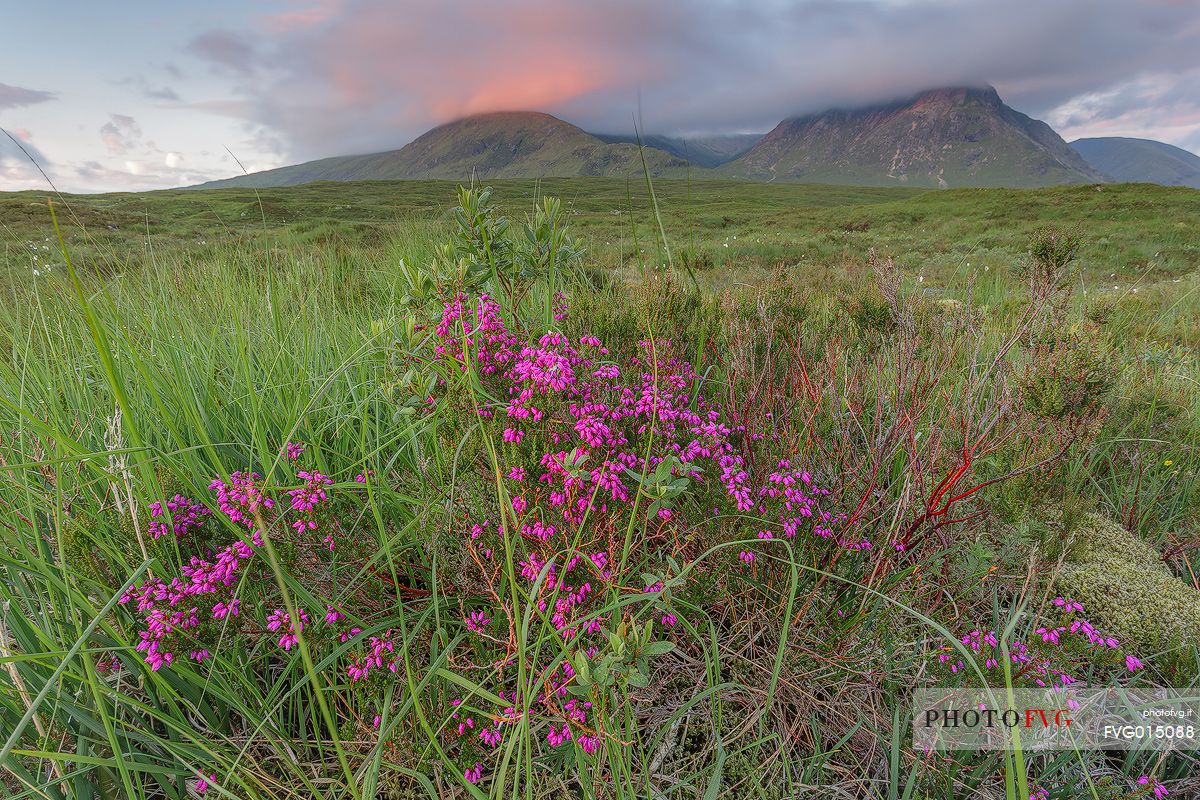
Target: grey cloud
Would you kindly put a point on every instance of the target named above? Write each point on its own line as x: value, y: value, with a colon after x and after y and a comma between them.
x: 17, y: 96
x: 120, y: 134
x: 368, y: 79
x: 165, y: 93
x: 226, y: 49
x: 21, y: 161
x: 17, y: 145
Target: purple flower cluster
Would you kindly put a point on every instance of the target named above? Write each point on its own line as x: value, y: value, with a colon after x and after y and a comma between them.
x: 185, y: 516
x: 242, y: 497
x: 581, y: 432
x: 1047, y: 662
x: 171, y: 608
x: 176, y: 611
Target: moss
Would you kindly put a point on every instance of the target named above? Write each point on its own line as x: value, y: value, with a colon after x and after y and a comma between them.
x: 1126, y: 588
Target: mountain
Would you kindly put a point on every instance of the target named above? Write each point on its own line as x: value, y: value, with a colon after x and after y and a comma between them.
x: 506, y: 144
x: 701, y: 151
x: 1140, y: 160
x: 960, y: 136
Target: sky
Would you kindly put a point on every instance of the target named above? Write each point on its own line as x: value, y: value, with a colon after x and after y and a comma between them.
x: 146, y: 94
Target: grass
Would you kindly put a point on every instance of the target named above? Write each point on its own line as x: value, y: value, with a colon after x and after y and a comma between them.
x: 182, y: 336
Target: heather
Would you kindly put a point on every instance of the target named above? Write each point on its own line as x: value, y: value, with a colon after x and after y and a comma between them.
x: 475, y: 511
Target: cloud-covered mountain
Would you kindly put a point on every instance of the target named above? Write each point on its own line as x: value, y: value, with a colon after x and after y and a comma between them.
x: 958, y: 136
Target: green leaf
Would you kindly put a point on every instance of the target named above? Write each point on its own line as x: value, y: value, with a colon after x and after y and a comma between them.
x: 658, y: 648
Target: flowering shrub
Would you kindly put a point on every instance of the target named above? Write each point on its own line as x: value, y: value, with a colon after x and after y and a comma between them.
x: 1054, y: 656
x: 593, y: 473
x: 589, y: 448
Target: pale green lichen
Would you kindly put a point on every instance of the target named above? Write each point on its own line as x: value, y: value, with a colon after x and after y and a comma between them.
x: 1127, y: 590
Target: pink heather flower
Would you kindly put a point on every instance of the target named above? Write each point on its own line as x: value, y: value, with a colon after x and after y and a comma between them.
x: 517, y: 474
x: 241, y: 497
x: 332, y: 615
x: 589, y: 744
x: 186, y: 515
x: 1133, y: 664
x: 474, y: 774
x: 1039, y: 793
x: 1159, y: 790
x: 1067, y: 605
x: 746, y: 556
x: 477, y: 621
x: 294, y: 450
x: 558, y: 736
x: 202, y: 783
x: 230, y: 609
x: 513, y: 435
x: 279, y: 620
x: 491, y: 736
x: 669, y: 619
x: 519, y: 505
x: 375, y: 722
x: 312, y: 492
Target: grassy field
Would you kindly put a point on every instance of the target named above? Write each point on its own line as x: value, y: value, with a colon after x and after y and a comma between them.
x: 625, y: 497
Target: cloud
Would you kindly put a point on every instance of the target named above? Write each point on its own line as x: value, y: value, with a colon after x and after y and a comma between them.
x: 16, y: 169
x: 226, y: 49
x: 22, y: 150
x: 164, y: 93
x: 355, y: 76
x: 16, y: 96
x: 120, y: 134
x: 1152, y: 105
x: 315, y: 14
x: 139, y: 165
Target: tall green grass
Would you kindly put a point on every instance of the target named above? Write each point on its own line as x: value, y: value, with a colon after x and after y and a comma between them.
x: 161, y: 371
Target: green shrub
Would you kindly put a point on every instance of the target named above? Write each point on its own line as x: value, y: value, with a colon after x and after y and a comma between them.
x: 1070, y: 372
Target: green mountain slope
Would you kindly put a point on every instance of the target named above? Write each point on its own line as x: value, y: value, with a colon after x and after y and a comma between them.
x: 943, y: 137
x: 1140, y: 160
x: 701, y: 151
x: 507, y: 144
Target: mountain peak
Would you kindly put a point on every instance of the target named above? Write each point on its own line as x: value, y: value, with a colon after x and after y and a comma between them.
x: 949, y: 136
x: 984, y: 93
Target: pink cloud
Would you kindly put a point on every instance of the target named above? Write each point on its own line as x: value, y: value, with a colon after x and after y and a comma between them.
x: 341, y: 76
x: 302, y: 18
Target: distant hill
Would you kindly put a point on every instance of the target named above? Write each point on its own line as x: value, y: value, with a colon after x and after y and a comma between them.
x: 1140, y: 160
x: 960, y: 136
x: 701, y: 151
x: 506, y: 144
